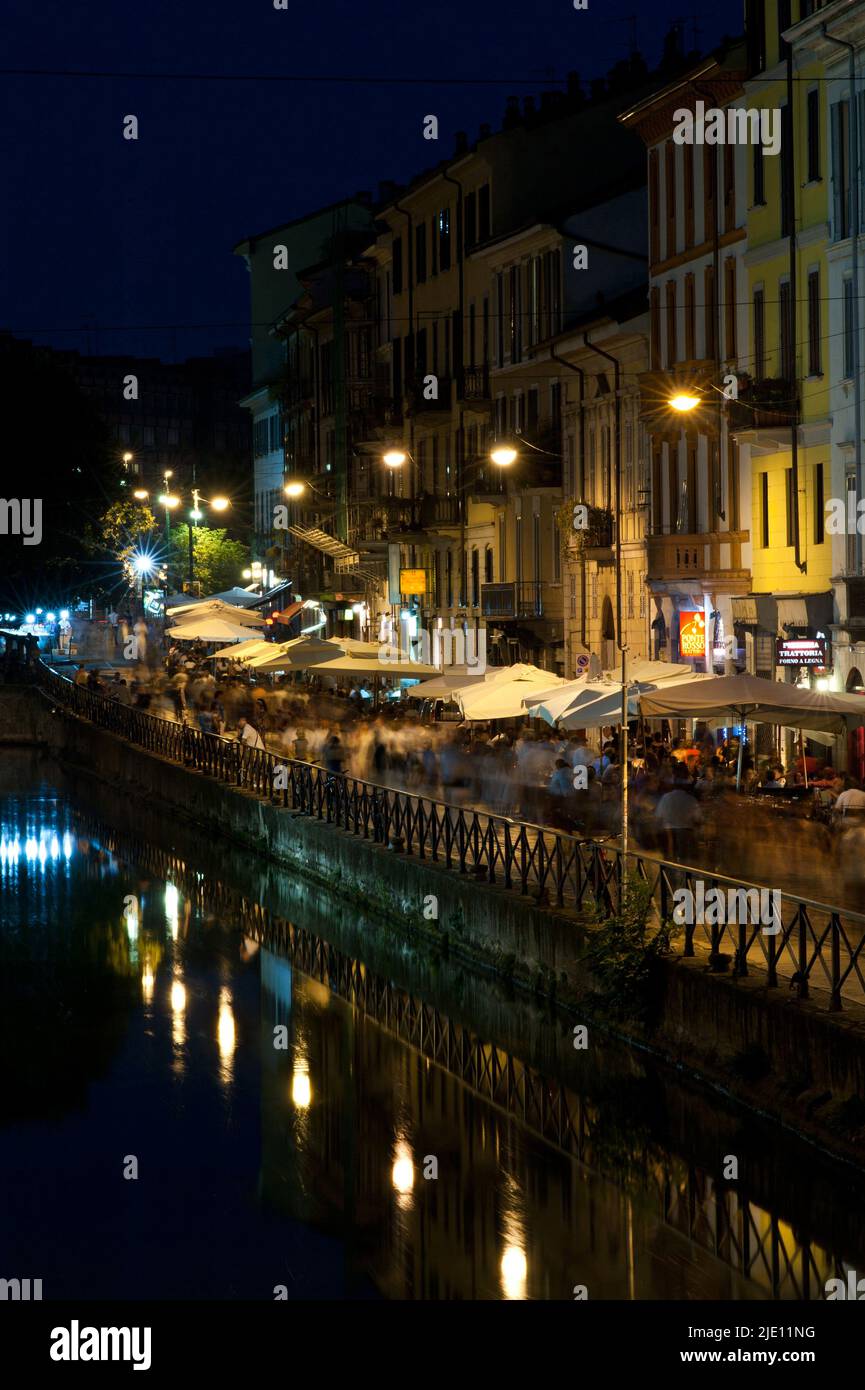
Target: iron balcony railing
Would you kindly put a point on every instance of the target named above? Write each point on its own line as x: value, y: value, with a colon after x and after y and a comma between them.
x: 811, y: 944
x: 512, y: 600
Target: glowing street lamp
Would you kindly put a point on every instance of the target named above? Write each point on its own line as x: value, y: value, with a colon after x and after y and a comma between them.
x: 503, y: 455
x: 140, y: 495
x: 295, y: 489
x: 684, y: 402
x: 394, y: 458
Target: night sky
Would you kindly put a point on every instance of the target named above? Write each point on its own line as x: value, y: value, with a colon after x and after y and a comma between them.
x: 134, y: 239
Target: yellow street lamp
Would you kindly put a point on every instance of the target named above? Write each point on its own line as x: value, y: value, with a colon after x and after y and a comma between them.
x: 394, y: 458
x: 219, y: 504
x: 295, y: 489
x: 684, y: 402
x: 140, y: 495
x: 166, y: 500
x: 503, y: 455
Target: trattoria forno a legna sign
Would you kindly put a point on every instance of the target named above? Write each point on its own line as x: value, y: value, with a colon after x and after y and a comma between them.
x: 801, y: 651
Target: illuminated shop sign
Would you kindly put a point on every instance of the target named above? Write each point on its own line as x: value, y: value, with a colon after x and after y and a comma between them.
x: 805, y: 651
x: 692, y: 632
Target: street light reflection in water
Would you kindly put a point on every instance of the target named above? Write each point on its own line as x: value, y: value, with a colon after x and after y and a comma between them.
x: 336, y: 1132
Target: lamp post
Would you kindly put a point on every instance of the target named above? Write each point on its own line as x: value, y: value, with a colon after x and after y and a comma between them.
x: 219, y: 504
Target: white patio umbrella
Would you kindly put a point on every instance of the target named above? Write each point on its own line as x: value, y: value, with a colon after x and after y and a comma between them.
x: 567, y: 705
x: 502, y: 697
x: 238, y: 651
x: 197, y: 610
x: 371, y: 666
x: 297, y: 655
x: 208, y: 628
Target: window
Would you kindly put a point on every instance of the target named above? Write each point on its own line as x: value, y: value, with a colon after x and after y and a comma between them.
x: 654, y: 208
x: 484, y: 212
x: 670, y: 197
x: 764, y: 510
x: 786, y: 171
x: 434, y: 247
x: 729, y: 188
x: 397, y: 265
x: 709, y: 312
x: 655, y: 325
x: 396, y: 371
x: 849, y: 328
x: 476, y: 580
x: 500, y: 319
x: 534, y: 277
x: 630, y: 592
x: 710, y: 175
x: 755, y: 29
x: 730, y: 307
x: 690, y: 316
x: 657, y: 496
x: 688, y: 155
x: 813, y: 136
x: 552, y: 278
x: 841, y: 170
x: 420, y: 253
x: 819, y: 505
x: 532, y: 409
x: 759, y: 200
x: 785, y: 328
x: 556, y: 404
x: 814, y: 365
x: 445, y: 239
x: 515, y: 314
x: 790, y: 497
x: 672, y: 347
x: 488, y: 565
x: 470, y: 220
x: 784, y: 11
x: 759, y: 335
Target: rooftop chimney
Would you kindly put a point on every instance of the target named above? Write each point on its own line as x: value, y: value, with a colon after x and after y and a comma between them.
x: 486, y: 131
x: 512, y: 114
x: 461, y: 143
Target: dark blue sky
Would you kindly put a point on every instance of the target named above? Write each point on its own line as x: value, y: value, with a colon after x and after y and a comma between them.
x: 98, y: 230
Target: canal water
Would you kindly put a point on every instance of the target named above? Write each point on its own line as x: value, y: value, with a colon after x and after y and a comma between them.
x: 220, y: 1085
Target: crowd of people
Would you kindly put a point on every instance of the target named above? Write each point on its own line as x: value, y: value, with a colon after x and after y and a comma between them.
x: 683, y: 798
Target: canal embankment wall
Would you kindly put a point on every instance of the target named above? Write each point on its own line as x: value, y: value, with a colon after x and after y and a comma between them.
x: 786, y: 1056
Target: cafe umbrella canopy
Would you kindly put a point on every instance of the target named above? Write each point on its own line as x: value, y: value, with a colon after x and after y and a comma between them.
x: 753, y: 698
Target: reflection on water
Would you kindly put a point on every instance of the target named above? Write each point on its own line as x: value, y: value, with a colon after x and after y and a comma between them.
x: 301, y: 1123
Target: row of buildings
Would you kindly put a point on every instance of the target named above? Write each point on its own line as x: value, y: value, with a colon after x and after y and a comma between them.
x: 548, y: 295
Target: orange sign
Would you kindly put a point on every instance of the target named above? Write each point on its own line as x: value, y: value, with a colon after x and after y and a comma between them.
x: 412, y: 581
x: 692, y: 633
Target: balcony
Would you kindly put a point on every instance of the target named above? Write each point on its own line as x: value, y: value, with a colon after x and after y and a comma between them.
x: 771, y: 404
x: 595, y: 540
x: 439, y: 511
x: 503, y: 601
x: 473, y: 387
x: 707, y: 558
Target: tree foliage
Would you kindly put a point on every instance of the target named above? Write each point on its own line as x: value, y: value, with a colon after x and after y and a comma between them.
x: 219, y: 561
